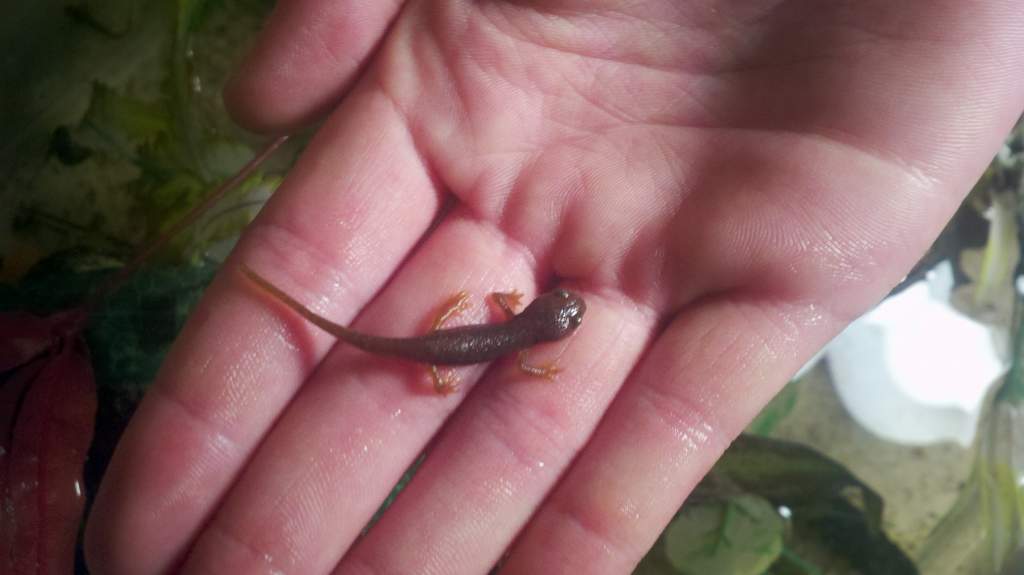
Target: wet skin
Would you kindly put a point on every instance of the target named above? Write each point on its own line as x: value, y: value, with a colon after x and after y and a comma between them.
x: 550, y: 317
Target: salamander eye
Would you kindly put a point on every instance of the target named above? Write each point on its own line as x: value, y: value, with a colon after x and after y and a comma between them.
x: 562, y: 293
x: 576, y: 320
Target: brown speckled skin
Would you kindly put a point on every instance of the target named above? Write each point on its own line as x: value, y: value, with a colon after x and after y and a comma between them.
x: 552, y: 316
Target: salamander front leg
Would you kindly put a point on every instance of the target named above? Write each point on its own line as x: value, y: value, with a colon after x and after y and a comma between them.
x: 446, y: 382
x: 508, y: 302
x: 547, y: 371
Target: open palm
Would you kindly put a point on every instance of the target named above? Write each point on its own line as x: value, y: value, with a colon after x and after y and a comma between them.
x: 727, y: 183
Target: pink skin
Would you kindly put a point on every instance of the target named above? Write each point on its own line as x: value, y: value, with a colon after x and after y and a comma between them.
x: 727, y: 185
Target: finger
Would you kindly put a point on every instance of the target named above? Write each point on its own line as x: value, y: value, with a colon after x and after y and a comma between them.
x: 504, y: 450
x: 360, y: 421
x: 304, y: 61
x: 704, y: 379
x: 352, y: 208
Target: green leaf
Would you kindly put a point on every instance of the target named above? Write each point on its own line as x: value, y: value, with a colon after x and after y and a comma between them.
x: 192, y: 14
x: 833, y: 521
x: 59, y: 282
x: 234, y: 212
x: 832, y: 512
x: 54, y: 59
x: 131, y: 331
x: 402, y: 482
x: 984, y: 530
x: 65, y: 149
x: 129, y: 121
x: 111, y: 18
x: 129, y: 334
x: 777, y: 409
x: 226, y: 157
x: 162, y: 206
x: 741, y: 535
x: 1012, y: 391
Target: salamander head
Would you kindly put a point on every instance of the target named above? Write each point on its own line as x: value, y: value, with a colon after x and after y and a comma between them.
x: 555, y: 314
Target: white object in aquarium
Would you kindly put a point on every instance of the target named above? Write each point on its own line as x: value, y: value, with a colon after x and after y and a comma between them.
x: 914, y: 370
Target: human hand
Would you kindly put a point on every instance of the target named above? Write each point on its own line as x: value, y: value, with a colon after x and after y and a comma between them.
x: 728, y: 185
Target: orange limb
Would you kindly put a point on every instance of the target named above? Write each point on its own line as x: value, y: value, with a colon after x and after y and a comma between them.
x: 547, y: 371
x: 508, y: 302
x: 455, y: 305
x: 446, y: 382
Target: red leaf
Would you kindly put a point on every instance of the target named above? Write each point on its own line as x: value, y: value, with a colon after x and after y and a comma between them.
x: 48, y: 429
x: 22, y: 337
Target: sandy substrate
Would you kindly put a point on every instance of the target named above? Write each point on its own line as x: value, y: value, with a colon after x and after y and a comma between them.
x: 918, y: 484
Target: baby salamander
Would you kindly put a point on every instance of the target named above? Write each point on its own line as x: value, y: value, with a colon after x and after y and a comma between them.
x: 550, y: 317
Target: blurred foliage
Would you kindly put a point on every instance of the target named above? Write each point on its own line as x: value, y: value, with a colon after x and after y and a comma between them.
x: 127, y: 134
x: 984, y: 530
x: 113, y: 128
x: 770, y: 506
x: 117, y: 127
x: 777, y: 409
x: 128, y: 333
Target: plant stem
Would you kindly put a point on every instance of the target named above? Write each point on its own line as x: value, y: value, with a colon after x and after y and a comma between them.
x: 121, y: 277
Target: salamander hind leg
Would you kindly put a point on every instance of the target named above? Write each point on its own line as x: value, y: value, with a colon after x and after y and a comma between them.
x: 508, y: 302
x: 455, y: 305
x: 547, y: 371
x: 445, y: 382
